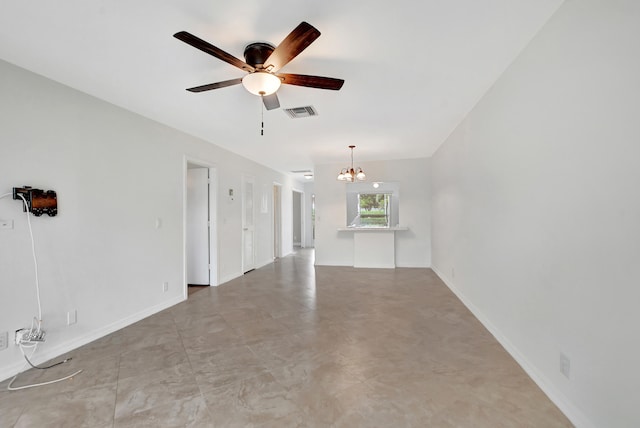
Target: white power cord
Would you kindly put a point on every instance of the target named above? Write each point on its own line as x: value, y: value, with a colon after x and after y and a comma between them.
x: 35, y: 264
x: 36, y: 324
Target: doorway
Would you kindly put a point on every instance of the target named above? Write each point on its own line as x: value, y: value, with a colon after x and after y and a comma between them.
x: 248, y: 225
x: 277, y: 221
x: 297, y: 218
x: 200, y: 238
x: 313, y: 220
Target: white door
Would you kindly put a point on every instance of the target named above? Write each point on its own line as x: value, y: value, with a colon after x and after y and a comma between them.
x: 198, y: 226
x: 248, y: 229
x: 277, y: 219
x: 297, y: 219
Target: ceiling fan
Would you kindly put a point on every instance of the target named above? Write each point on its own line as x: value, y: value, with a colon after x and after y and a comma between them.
x: 262, y: 62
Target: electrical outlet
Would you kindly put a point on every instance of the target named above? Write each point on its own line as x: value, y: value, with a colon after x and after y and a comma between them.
x: 165, y: 286
x: 565, y: 365
x: 6, y: 224
x: 72, y: 317
x: 4, y: 340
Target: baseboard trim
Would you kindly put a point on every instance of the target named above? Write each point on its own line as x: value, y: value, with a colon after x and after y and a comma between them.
x: 558, y: 398
x: 68, y: 346
x: 229, y: 277
x: 264, y: 263
x: 235, y: 275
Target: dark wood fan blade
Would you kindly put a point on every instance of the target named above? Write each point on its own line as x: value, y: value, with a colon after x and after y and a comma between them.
x: 207, y: 47
x: 271, y: 101
x: 311, y: 81
x: 217, y: 85
x: 297, y: 41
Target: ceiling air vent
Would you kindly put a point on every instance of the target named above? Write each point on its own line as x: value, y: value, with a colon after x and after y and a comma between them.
x: 297, y: 112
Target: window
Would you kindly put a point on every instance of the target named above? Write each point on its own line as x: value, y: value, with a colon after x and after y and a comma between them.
x: 373, y: 209
x: 372, y: 205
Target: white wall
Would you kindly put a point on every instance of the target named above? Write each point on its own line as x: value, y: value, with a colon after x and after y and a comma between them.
x: 536, y: 208
x: 115, y: 173
x: 413, y: 247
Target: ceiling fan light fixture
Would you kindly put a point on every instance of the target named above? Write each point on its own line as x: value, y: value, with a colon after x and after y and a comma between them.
x: 261, y: 83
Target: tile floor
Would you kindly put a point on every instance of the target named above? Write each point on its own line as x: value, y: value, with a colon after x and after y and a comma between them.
x: 290, y: 345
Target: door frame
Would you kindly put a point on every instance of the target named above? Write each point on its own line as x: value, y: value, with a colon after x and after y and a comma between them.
x: 277, y: 220
x: 301, y: 214
x: 246, y: 178
x: 213, y: 221
x: 198, y: 224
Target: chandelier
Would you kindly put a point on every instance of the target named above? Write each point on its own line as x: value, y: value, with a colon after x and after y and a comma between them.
x: 350, y: 174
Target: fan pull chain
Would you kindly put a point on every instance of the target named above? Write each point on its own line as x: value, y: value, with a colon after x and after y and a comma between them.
x: 262, y: 114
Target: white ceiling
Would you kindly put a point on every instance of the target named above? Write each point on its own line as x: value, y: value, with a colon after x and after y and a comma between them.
x: 412, y: 69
